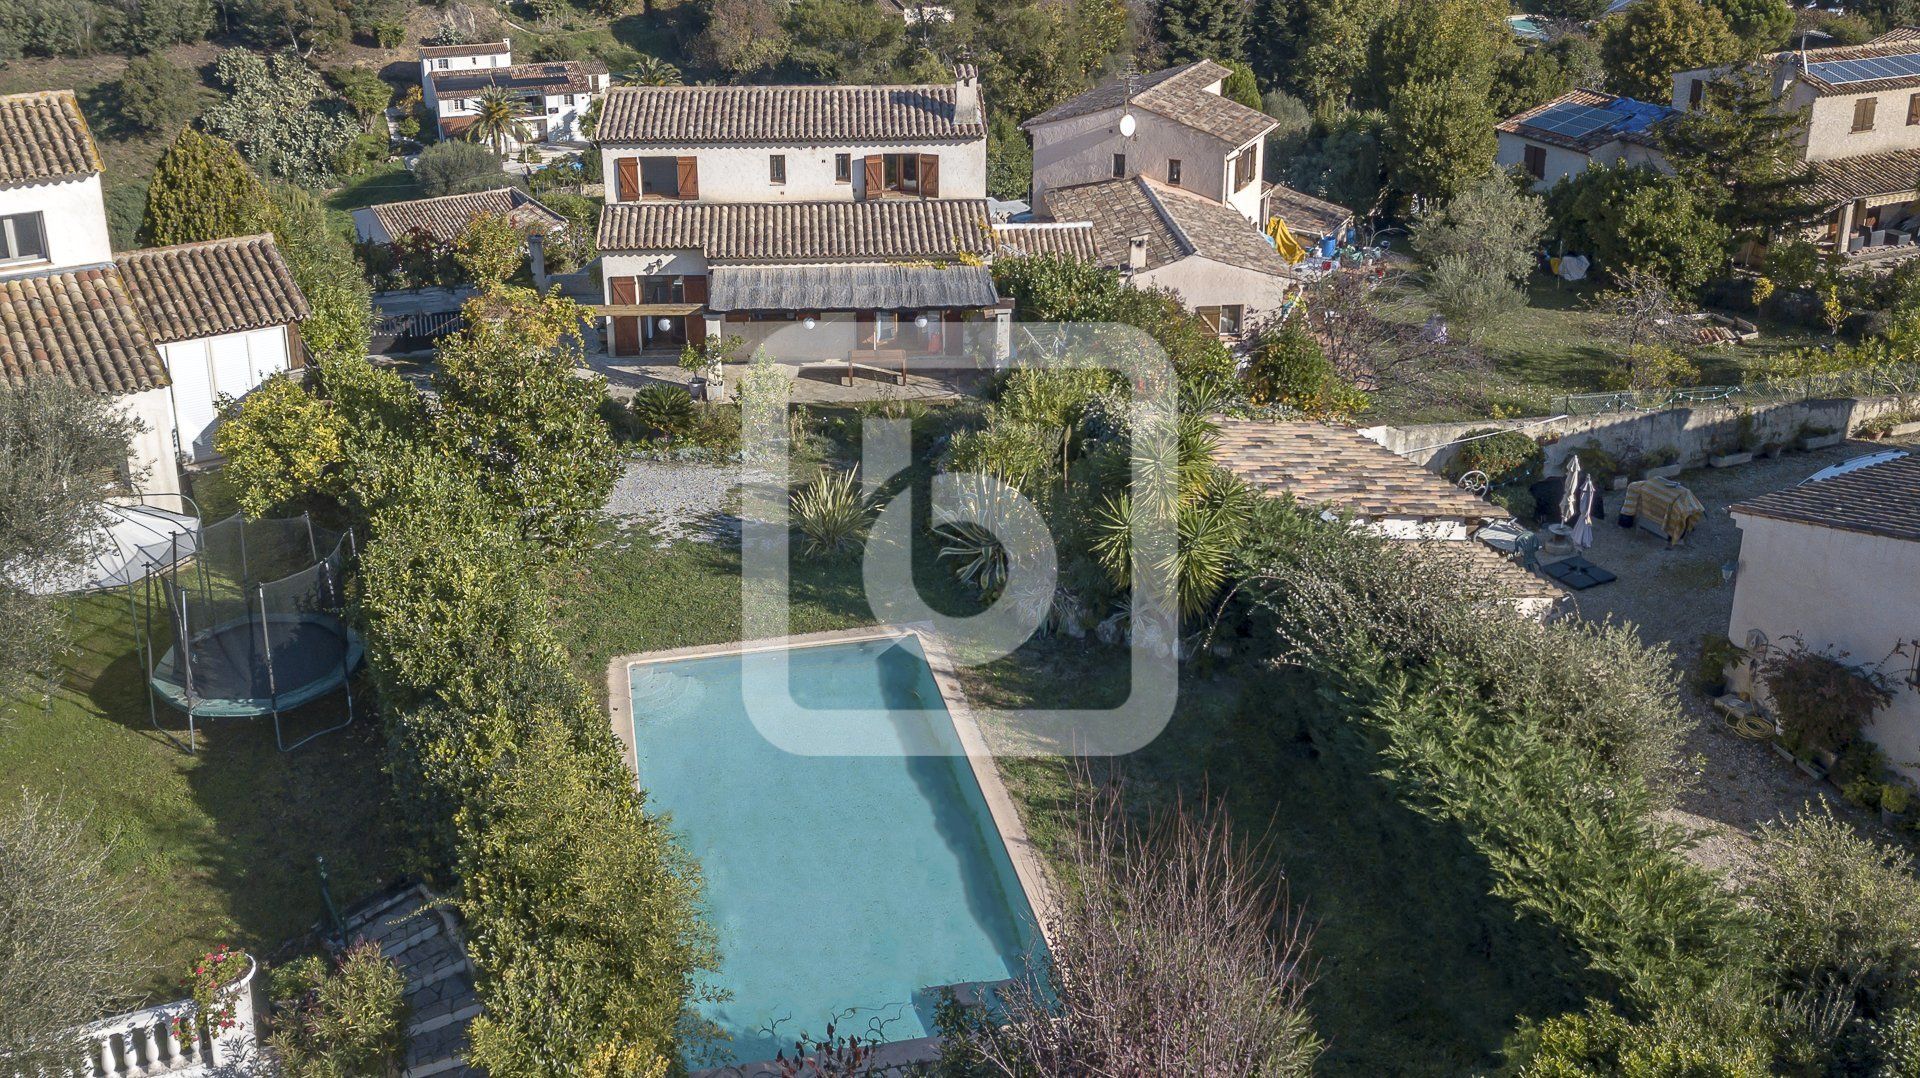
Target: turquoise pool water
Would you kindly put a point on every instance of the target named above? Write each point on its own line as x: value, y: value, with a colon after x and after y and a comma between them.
x: 837, y: 883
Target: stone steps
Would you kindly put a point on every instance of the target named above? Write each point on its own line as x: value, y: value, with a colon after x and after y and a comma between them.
x: 422, y: 937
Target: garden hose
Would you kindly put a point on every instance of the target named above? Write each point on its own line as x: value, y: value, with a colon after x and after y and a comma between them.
x: 1751, y: 726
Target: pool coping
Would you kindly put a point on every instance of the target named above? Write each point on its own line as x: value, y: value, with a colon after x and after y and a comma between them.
x: 1028, y: 867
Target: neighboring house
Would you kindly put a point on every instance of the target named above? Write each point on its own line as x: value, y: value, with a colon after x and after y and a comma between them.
x: 446, y: 217
x: 554, y: 95
x: 794, y: 143
x: 1345, y: 472
x: 1836, y: 563
x: 746, y: 208
x: 164, y: 331
x: 1225, y: 270
x: 1579, y: 129
x: 1068, y: 239
x: 1171, y: 126
x: 1861, y: 133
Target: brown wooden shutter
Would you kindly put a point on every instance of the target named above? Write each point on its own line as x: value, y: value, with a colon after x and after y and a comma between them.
x: 626, y: 335
x: 689, y: 170
x: 695, y: 285
x: 627, y: 187
x: 929, y: 176
x: 696, y: 329
x: 623, y: 291
x: 876, y: 175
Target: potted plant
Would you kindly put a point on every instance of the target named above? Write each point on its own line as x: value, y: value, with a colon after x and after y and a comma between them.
x: 1716, y: 654
x: 1735, y: 446
x: 210, y: 984
x: 1663, y: 463
x: 1821, y: 700
x: 1819, y: 436
x: 706, y: 362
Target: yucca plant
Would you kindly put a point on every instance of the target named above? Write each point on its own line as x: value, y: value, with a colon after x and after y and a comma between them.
x: 664, y: 411
x: 832, y: 513
x: 989, y: 522
x: 1210, y: 523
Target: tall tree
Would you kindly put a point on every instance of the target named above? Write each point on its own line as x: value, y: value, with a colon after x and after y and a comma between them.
x: 1337, y: 37
x: 1436, y: 60
x: 156, y: 94
x: 1631, y: 218
x: 1742, y: 156
x: 739, y: 37
x: 281, y: 116
x: 58, y: 446
x: 1643, y: 47
x: 499, y: 118
x: 1760, y: 25
x: 511, y: 401
x: 202, y: 190
x: 849, y: 41
x: 1203, y: 30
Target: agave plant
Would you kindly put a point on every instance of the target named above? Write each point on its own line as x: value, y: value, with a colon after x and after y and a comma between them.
x: 988, y: 521
x: 832, y: 513
x: 664, y: 411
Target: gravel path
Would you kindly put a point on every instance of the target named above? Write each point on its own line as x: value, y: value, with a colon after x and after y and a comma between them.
x: 1674, y: 596
x: 676, y: 500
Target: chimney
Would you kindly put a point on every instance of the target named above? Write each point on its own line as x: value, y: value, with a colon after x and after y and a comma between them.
x: 966, y: 94
x: 537, y: 259
x: 1136, y: 254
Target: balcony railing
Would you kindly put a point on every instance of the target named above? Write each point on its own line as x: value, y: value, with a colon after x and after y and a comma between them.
x: 142, y: 1044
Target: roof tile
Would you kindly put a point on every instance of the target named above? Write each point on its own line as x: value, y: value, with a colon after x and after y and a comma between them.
x: 874, y: 230
x: 447, y: 216
x: 80, y: 326
x: 1344, y: 469
x: 701, y: 115
x: 203, y: 289
x: 1177, y: 93
x: 1881, y: 499
x: 43, y: 136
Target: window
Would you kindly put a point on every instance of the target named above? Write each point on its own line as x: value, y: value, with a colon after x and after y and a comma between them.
x: 776, y: 168
x: 1119, y: 166
x: 570, y: 98
x: 886, y: 326
x: 1227, y: 321
x: 22, y: 237
x: 1243, y: 167
x: 1173, y: 171
x: 901, y: 172
x: 843, y: 168
x: 1536, y: 160
x: 1863, y: 113
x: 1913, y: 110
x: 663, y: 289
x: 440, y: 65
x: 1696, y: 93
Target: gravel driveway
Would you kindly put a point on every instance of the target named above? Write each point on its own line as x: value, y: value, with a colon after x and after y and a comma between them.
x: 678, y: 500
x: 1674, y: 595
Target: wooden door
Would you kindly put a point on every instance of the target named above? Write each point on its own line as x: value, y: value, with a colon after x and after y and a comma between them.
x: 627, y: 183
x: 626, y: 335
x: 623, y: 291
x: 876, y: 175
x: 695, y: 288
x: 929, y: 176
x: 688, y: 170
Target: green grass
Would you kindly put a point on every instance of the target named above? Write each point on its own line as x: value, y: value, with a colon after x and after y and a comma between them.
x: 1419, y: 972
x: 213, y: 848
x: 391, y: 182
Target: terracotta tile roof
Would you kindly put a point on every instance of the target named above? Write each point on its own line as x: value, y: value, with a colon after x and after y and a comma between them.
x: 1177, y: 224
x: 1177, y: 93
x: 478, y: 48
x: 872, y: 231
x: 43, y: 136
x: 1898, y: 42
x: 1848, y: 178
x: 447, y: 216
x: 80, y: 326
x: 1899, y: 35
x: 1881, y: 499
x: 1636, y: 124
x: 203, y: 289
x: 555, y: 77
x: 1306, y: 215
x: 1073, y: 239
x: 702, y: 115
x: 1343, y: 469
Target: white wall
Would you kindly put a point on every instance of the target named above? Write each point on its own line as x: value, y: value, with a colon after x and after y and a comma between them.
x: 1080, y: 149
x: 1562, y: 162
x: 75, y: 219
x: 1844, y: 590
x: 151, y: 459
x: 1830, y: 132
x: 740, y: 173
x: 430, y: 66
x: 205, y: 368
x: 1202, y: 282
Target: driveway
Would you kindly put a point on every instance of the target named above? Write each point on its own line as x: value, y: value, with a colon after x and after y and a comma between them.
x: 1674, y: 595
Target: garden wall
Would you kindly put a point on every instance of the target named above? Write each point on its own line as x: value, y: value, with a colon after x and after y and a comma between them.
x: 1694, y: 432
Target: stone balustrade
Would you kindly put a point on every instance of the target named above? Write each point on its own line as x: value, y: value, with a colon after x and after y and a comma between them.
x: 142, y: 1044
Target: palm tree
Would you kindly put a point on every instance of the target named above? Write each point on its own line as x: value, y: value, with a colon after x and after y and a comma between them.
x: 498, y: 118
x: 653, y: 71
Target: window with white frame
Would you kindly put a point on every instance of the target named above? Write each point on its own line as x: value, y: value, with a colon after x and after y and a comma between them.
x: 23, y: 237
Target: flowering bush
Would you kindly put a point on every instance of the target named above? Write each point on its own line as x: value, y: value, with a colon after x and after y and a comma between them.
x: 206, y: 983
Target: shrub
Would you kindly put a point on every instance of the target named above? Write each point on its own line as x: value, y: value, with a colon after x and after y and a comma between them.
x: 1506, y: 457
x: 339, y: 1018
x: 1822, y: 701
x: 663, y: 411
x: 831, y: 512
x: 1716, y: 654
x: 1287, y: 366
x: 156, y: 94
x: 281, y: 444
x: 1651, y: 368
x: 457, y: 166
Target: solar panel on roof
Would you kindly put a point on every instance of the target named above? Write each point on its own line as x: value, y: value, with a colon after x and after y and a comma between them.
x: 1866, y: 69
x: 1574, y: 120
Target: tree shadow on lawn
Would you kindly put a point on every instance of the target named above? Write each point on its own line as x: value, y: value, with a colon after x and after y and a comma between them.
x: 1419, y: 970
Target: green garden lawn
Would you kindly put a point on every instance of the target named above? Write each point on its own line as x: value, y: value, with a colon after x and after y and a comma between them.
x: 214, y: 848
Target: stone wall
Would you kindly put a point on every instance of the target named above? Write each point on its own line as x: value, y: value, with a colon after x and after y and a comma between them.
x: 1695, y: 432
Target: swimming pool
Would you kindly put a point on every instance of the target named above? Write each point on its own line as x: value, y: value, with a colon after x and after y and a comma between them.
x: 843, y: 888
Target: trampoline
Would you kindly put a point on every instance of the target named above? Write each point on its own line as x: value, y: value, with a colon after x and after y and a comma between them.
x: 256, y: 621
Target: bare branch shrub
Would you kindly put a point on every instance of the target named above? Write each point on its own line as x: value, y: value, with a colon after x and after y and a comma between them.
x: 1175, y: 954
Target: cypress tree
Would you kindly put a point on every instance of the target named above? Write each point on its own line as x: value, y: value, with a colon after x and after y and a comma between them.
x: 1203, y: 30
x: 202, y: 190
x: 1742, y: 155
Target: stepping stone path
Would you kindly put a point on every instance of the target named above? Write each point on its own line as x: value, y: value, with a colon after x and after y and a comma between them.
x: 422, y: 936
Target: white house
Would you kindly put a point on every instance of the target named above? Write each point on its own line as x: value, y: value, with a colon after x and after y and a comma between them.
x: 1861, y: 132
x: 794, y: 143
x: 744, y: 209
x: 164, y: 331
x: 1171, y: 126
x: 1579, y: 129
x: 554, y: 95
x: 1836, y: 563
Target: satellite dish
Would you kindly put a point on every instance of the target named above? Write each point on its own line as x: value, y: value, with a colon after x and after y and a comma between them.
x: 1128, y: 124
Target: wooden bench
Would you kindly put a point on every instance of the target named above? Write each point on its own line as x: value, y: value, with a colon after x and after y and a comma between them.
x: 867, y: 362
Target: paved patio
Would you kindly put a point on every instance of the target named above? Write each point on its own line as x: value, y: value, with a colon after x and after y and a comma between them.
x: 627, y: 375
x: 1674, y: 596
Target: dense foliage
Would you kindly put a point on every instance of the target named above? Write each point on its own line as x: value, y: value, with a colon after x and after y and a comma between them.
x: 1630, y: 218
x: 282, y: 116
x: 1479, y: 249
x: 1646, y: 44
x: 339, y: 1017
x: 202, y: 190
